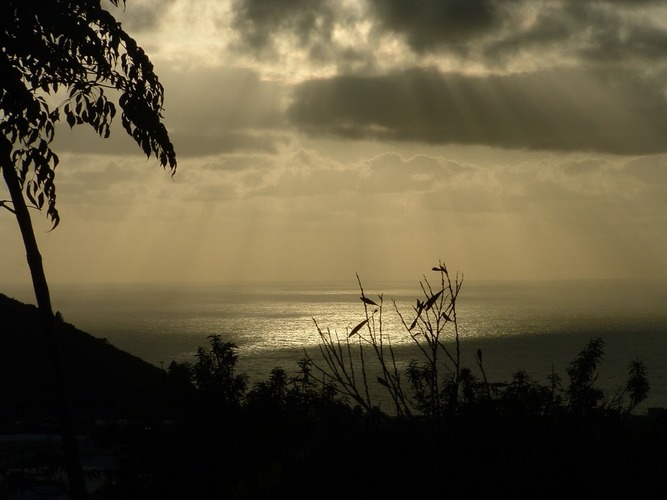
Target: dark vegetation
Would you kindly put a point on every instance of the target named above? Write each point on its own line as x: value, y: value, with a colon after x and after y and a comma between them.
x: 104, y: 382
x: 202, y: 430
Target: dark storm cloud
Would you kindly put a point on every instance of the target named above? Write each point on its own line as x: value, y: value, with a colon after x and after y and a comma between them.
x: 426, y: 24
x: 567, y: 110
x: 260, y: 21
x: 431, y: 23
x: 631, y: 43
x: 612, y: 30
x: 616, y: 31
x: 609, y: 29
x: 552, y: 27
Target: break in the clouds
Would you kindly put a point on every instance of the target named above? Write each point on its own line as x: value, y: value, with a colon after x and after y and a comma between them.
x: 142, y: 15
x: 542, y: 218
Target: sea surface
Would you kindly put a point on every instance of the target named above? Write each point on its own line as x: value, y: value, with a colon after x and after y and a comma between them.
x: 534, y: 326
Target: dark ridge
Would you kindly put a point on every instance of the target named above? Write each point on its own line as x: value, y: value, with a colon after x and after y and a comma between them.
x: 104, y: 381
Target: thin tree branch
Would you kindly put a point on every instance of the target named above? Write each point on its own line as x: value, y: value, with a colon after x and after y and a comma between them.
x: 4, y: 204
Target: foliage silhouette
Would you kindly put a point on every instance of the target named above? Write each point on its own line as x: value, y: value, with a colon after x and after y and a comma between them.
x: 439, y: 386
x: 510, y: 437
x: 582, y: 396
x: 75, y: 51
x: 300, y: 394
x: 215, y: 372
x: 521, y: 438
x: 637, y: 385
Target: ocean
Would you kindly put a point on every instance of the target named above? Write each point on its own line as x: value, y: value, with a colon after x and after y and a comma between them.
x: 534, y: 326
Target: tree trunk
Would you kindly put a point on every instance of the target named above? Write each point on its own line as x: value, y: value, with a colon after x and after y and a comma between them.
x: 50, y: 331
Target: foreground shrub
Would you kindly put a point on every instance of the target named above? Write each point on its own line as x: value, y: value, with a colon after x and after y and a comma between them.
x: 438, y: 385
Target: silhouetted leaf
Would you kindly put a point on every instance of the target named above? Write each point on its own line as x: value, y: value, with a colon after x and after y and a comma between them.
x: 368, y: 301
x: 358, y: 327
x: 431, y: 301
x: 382, y: 382
x: 74, y: 47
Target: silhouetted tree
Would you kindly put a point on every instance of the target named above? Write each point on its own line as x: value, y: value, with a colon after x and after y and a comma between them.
x: 180, y: 373
x: 637, y: 385
x: 583, y: 397
x: 215, y: 371
x: 74, y: 51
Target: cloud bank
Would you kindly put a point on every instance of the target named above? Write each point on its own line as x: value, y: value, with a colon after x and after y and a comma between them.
x: 558, y: 110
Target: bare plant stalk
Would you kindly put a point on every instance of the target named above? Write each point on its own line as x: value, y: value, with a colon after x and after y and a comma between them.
x: 433, y: 317
x: 427, y: 330
x: 390, y: 377
x: 339, y: 362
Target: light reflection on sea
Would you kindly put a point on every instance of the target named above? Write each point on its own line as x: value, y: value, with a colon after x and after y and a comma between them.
x: 532, y: 326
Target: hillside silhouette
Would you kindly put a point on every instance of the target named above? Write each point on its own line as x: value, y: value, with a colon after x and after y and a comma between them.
x: 104, y: 381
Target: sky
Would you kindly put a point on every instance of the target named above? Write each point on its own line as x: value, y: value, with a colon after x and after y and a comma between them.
x: 316, y: 139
